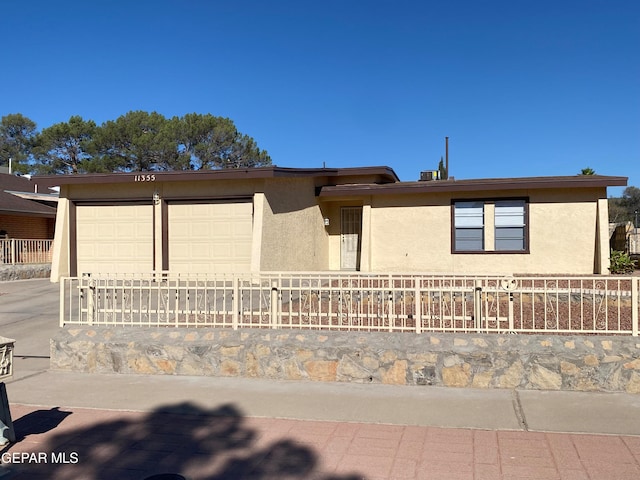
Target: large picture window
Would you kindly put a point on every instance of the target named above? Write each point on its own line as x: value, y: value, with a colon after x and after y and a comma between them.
x: 469, y: 226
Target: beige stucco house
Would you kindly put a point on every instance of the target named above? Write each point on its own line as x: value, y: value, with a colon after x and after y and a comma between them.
x: 287, y: 219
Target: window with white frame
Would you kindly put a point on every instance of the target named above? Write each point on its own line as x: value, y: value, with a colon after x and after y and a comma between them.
x: 469, y: 226
x: 510, y: 225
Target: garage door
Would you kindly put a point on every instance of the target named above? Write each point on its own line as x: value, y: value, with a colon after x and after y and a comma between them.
x: 114, y: 238
x: 210, y: 237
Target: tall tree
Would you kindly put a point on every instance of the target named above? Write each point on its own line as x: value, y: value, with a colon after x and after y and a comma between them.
x: 209, y: 142
x: 624, y: 209
x: 16, y: 136
x: 444, y: 175
x: 64, y: 147
x: 137, y: 141
x: 617, y: 211
x: 631, y: 201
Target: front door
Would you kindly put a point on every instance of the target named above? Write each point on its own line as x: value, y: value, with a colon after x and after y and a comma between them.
x: 350, y: 233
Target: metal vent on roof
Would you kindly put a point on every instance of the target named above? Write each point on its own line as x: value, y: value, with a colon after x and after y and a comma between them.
x: 429, y: 175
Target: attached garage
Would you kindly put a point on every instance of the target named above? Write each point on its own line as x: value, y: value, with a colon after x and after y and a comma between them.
x: 114, y: 238
x: 210, y: 236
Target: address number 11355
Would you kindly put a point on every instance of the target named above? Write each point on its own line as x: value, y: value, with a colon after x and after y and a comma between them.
x: 144, y: 178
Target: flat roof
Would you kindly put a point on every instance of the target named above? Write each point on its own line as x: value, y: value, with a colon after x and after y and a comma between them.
x: 387, y: 183
x: 472, y: 185
x: 386, y: 174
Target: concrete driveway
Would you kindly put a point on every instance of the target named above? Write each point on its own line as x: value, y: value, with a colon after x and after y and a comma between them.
x: 29, y: 315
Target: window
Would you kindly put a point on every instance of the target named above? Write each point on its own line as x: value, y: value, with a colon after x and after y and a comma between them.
x: 469, y: 226
x: 491, y: 226
x: 509, y: 225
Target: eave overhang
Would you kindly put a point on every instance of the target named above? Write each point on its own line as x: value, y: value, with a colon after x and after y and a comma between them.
x: 385, y: 174
x: 475, y: 185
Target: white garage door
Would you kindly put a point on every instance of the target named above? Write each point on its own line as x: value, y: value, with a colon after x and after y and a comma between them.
x: 114, y: 238
x: 210, y: 237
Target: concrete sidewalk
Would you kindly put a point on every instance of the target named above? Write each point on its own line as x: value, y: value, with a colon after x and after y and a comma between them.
x: 132, y: 427
x: 493, y: 409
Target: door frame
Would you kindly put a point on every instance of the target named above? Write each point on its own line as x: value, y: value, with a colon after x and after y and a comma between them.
x: 350, y: 230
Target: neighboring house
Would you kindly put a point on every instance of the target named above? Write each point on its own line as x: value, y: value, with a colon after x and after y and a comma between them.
x: 27, y: 210
x: 287, y: 219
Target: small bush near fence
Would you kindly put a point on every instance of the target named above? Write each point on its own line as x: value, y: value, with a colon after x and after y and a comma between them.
x: 621, y: 263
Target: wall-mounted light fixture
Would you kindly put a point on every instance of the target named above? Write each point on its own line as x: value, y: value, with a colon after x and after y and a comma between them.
x: 326, y: 222
x: 156, y: 198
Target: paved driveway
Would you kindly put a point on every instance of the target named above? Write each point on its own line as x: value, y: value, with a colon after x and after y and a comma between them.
x: 29, y: 315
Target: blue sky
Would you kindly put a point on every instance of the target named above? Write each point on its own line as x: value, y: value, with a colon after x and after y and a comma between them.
x: 522, y: 88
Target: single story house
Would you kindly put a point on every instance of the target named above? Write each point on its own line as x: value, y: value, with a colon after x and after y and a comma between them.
x: 25, y: 212
x: 329, y: 219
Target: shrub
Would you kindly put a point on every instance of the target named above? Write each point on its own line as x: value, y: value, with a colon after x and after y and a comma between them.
x: 621, y: 263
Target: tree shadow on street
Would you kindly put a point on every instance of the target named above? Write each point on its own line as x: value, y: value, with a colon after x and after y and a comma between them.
x: 39, y: 421
x: 183, y: 439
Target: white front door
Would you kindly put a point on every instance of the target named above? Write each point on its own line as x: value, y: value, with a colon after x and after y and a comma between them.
x: 350, y: 233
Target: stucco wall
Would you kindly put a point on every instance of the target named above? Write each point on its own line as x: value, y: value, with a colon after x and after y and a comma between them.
x: 290, y: 231
x: 399, y: 232
x: 60, y: 266
x: 413, y: 233
x: 293, y: 235
x: 593, y: 363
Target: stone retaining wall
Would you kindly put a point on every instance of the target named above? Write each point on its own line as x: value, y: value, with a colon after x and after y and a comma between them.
x: 22, y: 272
x: 583, y: 363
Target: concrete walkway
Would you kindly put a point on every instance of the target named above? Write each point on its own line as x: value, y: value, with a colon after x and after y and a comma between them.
x: 85, y: 426
x: 132, y: 427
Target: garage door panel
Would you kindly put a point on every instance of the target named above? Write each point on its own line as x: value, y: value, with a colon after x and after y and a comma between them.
x: 114, y: 238
x: 242, y: 230
x: 210, y: 237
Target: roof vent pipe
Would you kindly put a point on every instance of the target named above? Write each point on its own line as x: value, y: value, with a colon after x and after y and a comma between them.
x: 446, y: 156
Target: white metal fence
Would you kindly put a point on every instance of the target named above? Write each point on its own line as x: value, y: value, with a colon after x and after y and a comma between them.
x: 22, y: 251
x: 366, y: 302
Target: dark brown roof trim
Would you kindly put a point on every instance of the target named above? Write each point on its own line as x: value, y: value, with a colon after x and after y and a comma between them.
x: 386, y: 174
x: 18, y: 205
x: 28, y: 213
x: 437, y: 186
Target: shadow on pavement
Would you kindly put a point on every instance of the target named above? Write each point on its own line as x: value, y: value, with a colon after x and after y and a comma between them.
x: 40, y: 421
x: 182, y: 439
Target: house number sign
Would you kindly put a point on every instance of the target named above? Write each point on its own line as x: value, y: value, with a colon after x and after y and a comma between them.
x: 144, y: 178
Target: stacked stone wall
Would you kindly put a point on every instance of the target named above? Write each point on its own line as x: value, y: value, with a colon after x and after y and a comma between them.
x: 578, y: 363
x: 22, y: 272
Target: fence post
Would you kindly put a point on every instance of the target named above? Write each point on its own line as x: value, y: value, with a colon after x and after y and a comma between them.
x: 274, y: 304
x: 62, y: 296
x: 477, y: 304
x: 511, y: 320
x: 13, y: 252
x: 417, y: 309
x: 634, y: 306
x: 90, y: 301
x: 235, y: 303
